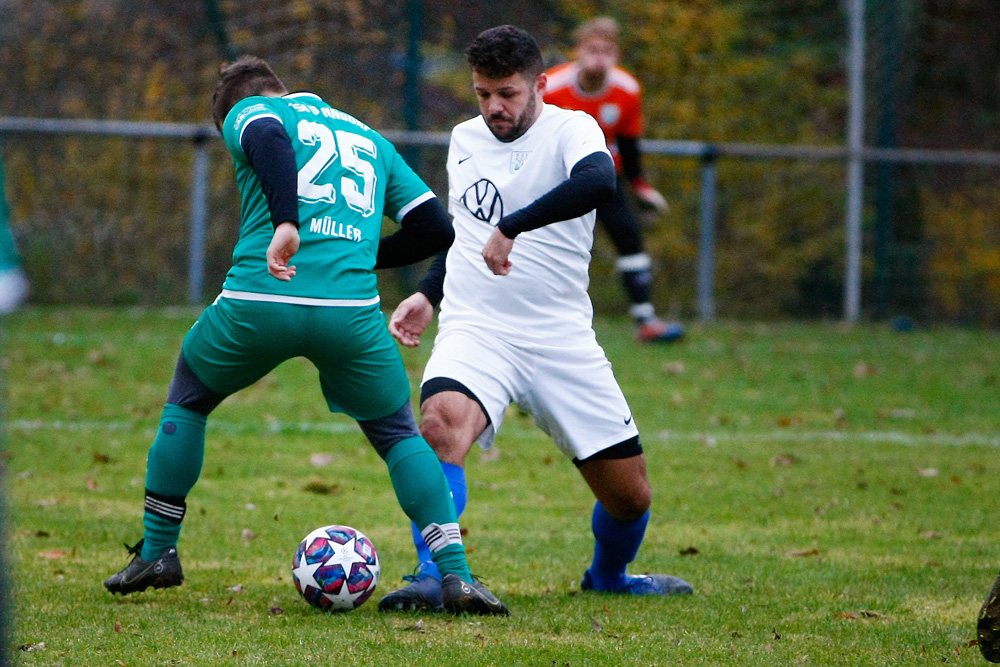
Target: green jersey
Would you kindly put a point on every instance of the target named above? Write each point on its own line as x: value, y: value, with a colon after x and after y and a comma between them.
x: 8, y: 256
x: 349, y: 177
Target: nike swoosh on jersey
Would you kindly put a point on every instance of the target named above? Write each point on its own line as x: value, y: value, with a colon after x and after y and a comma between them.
x: 468, y: 157
x: 628, y: 420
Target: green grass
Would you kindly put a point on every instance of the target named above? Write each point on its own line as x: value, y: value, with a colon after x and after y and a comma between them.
x: 837, y: 485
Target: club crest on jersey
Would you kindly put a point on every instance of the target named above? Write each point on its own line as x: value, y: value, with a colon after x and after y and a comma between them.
x: 483, y: 200
x: 517, y: 160
x: 609, y: 113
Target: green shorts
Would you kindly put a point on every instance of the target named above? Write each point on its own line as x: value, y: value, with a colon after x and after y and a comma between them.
x: 235, y: 343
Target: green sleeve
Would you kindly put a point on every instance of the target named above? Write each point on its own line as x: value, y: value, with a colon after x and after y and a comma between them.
x: 404, y: 186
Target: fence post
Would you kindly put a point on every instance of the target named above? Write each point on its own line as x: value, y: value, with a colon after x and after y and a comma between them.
x: 706, y: 246
x: 199, y: 214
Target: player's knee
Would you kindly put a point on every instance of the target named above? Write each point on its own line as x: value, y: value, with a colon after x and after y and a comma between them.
x: 629, y: 505
x: 435, y: 429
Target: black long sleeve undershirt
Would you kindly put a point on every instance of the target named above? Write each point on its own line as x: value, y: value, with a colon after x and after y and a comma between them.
x: 628, y: 149
x: 269, y: 150
x: 591, y: 181
x: 423, y: 231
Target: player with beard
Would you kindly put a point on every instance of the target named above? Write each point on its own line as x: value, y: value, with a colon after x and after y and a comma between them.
x: 516, y: 322
x: 314, y: 183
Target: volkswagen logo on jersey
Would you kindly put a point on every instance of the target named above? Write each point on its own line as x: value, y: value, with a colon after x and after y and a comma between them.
x: 483, y: 200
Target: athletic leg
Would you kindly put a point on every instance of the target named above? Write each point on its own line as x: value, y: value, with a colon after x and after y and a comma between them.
x: 421, y: 487
x: 634, y: 266
x: 172, y: 468
x: 619, y: 521
x: 450, y: 423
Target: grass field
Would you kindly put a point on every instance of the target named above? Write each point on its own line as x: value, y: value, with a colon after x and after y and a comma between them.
x: 830, y: 492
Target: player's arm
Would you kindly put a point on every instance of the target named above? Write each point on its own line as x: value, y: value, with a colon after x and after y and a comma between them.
x: 412, y: 316
x: 269, y: 150
x: 424, y: 231
x: 591, y: 181
x: 628, y: 149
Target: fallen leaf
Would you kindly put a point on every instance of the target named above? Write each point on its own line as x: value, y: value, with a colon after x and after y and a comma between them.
x: 417, y: 627
x: 927, y: 472
x: 955, y: 479
x: 861, y: 369
x: 783, y: 460
x: 673, y: 367
x: 32, y: 647
x: 321, y: 488
x: 596, y: 625
x: 275, y: 611
x: 91, y: 484
x: 101, y: 458
x: 774, y: 631
x: 690, y: 551
x: 803, y: 554
x: 321, y: 460
x: 248, y: 535
x: 55, y: 554
x: 118, y: 627
x: 870, y: 614
x: 238, y: 588
x: 848, y: 614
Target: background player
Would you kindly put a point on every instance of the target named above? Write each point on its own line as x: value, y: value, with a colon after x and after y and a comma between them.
x: 523, y: 180
x: 594, y: 83
x: 301, y: 162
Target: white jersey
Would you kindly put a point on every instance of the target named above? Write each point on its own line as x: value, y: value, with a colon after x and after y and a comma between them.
x: 544, y: 298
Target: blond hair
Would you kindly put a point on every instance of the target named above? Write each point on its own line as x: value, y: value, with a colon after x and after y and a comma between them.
x: 603, y: 27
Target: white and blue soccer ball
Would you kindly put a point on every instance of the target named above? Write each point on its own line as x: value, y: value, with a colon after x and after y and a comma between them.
x: 336, y: 568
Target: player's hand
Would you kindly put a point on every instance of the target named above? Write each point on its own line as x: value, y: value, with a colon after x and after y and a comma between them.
x: 648, y: 197
x: 284, y: 244
x: 410, y: 319
x: 496, y: 253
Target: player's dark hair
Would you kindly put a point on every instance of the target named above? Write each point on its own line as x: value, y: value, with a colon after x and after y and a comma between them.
x: 246, y: 77
x: 503, y: 51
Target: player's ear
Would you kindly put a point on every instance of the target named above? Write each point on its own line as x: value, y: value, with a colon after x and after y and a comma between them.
x: 540, y: 82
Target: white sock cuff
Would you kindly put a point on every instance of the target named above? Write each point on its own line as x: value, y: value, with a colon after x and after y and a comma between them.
x: 438, y: 536
x: 642, y: 311
x: 640, y: 262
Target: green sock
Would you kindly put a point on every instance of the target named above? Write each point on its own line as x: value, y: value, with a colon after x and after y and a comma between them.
x: 173, y: 467
x: 423, y: 493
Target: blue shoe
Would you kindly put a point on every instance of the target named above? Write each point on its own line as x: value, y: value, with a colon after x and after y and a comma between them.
x: 647, y: 584
x: 423, y: 593
x: 657, y: 331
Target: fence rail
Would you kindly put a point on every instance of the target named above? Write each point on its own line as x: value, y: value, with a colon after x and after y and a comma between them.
x: 708, y: 153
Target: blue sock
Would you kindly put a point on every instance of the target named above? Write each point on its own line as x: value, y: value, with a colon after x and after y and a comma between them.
x: 616, y: 544
x: 459, y: 494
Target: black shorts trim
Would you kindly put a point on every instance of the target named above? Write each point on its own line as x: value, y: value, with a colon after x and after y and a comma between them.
x: 439, y: 384
x: 623, y: 450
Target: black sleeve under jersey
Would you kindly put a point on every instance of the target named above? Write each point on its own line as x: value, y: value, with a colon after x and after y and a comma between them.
x: 424, y: 231
x: 591, y: 181
x: 628, y: 148
x: 269, y: 150
x: 432, y: 286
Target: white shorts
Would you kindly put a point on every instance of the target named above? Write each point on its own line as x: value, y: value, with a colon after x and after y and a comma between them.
x: 571, y: 392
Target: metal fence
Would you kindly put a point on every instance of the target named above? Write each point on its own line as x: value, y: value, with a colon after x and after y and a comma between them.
x: 194, y: 146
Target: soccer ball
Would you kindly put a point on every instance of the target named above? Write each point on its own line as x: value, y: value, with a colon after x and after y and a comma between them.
x: 336, y: 568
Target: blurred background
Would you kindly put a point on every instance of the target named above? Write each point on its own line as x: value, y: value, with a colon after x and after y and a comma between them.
x: 102, y: 219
